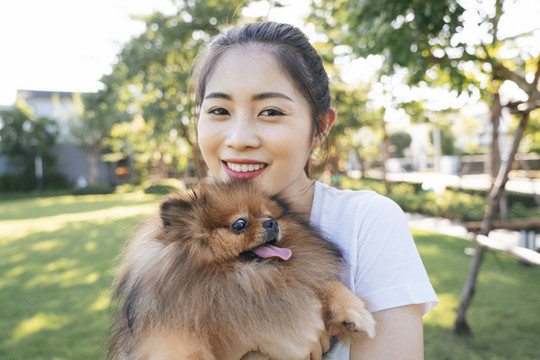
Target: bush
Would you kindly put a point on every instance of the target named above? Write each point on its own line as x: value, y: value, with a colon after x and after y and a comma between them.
x: 462, y: 205
x: 159, y: 189
x: 127, y: 188
x: 16, y: 183
x: 97, y: 188
x: 163, y: 187
x: 56, y: 181
x: 10, y: 183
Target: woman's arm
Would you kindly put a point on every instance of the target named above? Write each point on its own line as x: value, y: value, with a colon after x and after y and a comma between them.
x: 399, y: 335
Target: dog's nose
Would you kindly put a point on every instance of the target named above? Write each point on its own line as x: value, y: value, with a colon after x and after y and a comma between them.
x: 272, y: 229
x: 270, y: 225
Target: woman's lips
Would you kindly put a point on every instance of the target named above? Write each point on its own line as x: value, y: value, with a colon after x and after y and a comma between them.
x: 243, y: 169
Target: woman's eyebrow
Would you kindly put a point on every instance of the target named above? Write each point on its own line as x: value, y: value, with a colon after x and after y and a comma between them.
x: 261, y: 96
x: 218, y: 95
x: 268, y: 95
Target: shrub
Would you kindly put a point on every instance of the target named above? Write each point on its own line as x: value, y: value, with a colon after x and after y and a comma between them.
x: 463, y: 205
x: 163, y: 187
x: 10, y: 183
x: 16, y: 183
x: 56, y: 181
x: 97, y: 188
x: 127, y: 188
x: 159, y: 189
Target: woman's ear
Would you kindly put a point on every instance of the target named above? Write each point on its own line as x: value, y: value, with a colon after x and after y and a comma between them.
x: 326, y: 124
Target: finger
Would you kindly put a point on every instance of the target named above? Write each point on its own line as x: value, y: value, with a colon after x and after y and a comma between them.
x: 325, y: 341
x: 316, y: 354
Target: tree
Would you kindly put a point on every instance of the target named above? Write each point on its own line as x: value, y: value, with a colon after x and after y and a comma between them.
x: 23, y: 138
x: 152, y: 80
x: 350, y: 102
x: 426, y: 38
x: 401, y: 140
x: 96, y: 115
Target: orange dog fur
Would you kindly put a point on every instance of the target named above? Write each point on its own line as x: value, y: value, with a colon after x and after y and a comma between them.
x: 190, y: 287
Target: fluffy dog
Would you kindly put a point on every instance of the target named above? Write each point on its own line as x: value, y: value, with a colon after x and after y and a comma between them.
x: 222, y: 269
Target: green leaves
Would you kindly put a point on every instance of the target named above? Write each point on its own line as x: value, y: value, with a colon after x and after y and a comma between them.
x: 151, y: 85
x: 24, y: 136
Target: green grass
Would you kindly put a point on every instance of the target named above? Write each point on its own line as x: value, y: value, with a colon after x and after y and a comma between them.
x: 505, y: 312
x: 57, y: 255
x: 56, y: 258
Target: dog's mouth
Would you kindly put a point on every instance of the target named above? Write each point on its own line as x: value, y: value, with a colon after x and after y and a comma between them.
x: 267, y: 251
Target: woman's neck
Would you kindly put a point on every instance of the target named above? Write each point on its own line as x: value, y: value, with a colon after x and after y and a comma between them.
x: 301, y: 197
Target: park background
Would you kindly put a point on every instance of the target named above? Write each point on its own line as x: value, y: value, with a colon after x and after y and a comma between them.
x: 431, y: 96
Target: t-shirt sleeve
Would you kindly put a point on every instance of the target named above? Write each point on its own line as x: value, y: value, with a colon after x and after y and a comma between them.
x: 389, y: 271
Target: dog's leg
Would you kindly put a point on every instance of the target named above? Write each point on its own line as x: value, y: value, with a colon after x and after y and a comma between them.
x: 346, y: 314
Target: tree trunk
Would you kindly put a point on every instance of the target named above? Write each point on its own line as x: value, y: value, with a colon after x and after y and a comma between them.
x: 362, y: 163
x: 385, y: 156
x: 93, y: 162
x: 495, y: 195
x: 495, y: 158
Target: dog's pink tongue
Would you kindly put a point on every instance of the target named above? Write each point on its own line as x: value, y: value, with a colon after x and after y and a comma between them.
x: 268, y: 251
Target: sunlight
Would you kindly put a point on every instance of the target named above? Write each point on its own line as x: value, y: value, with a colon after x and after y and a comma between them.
x: 60, y: 264
x: 429, y: 250
x: 488, y: 277
x: 45, y: 245
x: 16, y: 271
x: 102, y: 302
x: 36, y: 323
x: 443, y: 315
x: 91, y: 278
x: 18, y: 229
x: 91, y: 245
x: 65, y: 279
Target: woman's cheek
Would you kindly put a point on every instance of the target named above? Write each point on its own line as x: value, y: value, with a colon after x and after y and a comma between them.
x: 208, y: 139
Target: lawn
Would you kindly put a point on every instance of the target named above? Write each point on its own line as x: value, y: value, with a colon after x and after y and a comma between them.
x: 57, y: 256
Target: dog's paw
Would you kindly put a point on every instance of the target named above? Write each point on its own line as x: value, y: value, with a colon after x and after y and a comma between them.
x: 346, y: 314
x: 359, y: 322
x: 351, y: 319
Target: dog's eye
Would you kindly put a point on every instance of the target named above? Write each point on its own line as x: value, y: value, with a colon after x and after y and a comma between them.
x: 239, y: 226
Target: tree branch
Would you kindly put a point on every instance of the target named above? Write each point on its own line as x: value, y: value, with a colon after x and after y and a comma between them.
x: 503, y: 72
x: 537, y: 74
x: 499, y: 71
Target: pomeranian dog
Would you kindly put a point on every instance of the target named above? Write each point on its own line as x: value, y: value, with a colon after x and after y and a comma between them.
x: 222, y: 269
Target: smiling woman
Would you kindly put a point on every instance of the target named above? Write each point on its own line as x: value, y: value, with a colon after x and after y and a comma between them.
x: 263, y: 102
x: 253, y: 123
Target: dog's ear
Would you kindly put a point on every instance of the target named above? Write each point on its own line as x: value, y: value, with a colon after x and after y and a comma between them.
x: 176, y: 209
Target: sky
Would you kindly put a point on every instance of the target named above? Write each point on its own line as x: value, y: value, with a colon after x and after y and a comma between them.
x: 67, y: 45
x: 64, y: 45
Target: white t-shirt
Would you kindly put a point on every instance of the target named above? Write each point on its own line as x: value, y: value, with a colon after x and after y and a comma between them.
x: 384, y: 267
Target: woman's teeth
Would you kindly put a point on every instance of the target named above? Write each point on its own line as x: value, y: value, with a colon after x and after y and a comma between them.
x: 244, y: 167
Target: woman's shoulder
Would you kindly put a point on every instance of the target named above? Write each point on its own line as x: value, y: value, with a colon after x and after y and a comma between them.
x: 368, y: 201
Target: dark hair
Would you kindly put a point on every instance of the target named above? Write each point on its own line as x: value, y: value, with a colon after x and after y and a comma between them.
x: 293, y: 52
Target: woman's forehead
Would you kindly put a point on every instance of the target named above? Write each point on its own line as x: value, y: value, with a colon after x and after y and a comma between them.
x: 252, y: 69
x: 247, y: 61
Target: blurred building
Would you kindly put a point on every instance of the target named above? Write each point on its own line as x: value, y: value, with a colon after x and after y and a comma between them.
x: 72, y: 160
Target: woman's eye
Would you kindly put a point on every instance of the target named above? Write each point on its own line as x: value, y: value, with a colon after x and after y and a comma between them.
x: 218, y: 111
x: 271, y: 112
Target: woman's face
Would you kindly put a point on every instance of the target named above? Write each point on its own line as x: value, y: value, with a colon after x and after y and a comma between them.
x: 254, y: 124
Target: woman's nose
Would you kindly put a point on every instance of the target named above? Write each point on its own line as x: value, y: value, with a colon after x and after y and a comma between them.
x: 242, y: 134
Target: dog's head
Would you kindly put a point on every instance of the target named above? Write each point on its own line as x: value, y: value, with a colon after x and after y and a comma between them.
x: 223, y: 221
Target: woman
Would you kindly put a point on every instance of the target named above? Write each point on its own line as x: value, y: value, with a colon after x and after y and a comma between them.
x: 263, y: 106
